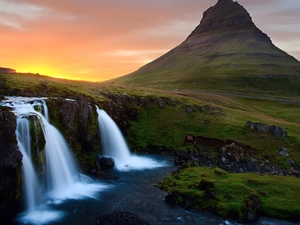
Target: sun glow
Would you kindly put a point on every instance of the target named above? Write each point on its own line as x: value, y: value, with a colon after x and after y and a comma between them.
x: 41, y: 69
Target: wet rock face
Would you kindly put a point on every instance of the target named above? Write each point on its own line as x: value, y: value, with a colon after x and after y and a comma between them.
x: 10, y: 156
x: 10, y: 159
x: 122, y: 108
x: 78, y: 122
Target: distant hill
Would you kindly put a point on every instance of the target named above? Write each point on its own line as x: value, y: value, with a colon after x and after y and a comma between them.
x: 7, y: 70
x: 226, y: 52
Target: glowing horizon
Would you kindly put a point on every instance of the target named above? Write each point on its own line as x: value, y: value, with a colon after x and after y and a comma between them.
x: 98, y: 41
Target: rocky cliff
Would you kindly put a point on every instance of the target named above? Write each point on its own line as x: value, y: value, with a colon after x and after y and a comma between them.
x: 10, y: 159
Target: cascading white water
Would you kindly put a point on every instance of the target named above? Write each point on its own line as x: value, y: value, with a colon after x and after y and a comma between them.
x: 31, y: 181
x: 63, y: 178
x: 112, y: 139
x: 61, y: 169
x: 114, y: 145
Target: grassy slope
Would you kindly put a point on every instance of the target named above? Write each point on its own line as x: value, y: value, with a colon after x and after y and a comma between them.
x: 168, y: 126
x: 276, y: 192
x: 233, y: 67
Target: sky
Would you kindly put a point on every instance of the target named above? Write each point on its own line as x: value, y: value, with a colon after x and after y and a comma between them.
x: 97, y: 40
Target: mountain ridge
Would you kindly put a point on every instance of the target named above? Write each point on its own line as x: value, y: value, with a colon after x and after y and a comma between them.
x: 225, y: 47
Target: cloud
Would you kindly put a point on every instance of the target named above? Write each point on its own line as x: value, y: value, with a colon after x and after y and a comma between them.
x: 108, y: 38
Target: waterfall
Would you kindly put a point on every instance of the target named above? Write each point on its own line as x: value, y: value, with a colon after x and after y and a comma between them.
x: 113, y: 142
x: 31, y: 182
x: 61, y: 169
x: 61, y: 173
x: 114, y: 145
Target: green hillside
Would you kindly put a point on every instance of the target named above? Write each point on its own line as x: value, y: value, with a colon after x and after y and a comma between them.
x: 235, y: 58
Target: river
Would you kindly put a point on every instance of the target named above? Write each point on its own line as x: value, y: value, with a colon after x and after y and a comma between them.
x: 134, y: 191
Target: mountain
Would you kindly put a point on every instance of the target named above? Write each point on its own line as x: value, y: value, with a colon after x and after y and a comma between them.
x: 226, y: 52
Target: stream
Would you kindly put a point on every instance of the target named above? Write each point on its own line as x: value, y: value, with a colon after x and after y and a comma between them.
x: 134, y: 191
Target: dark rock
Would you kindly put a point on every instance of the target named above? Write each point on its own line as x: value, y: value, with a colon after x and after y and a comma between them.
x: 80, y: 127
x: 172, y: 197
x: 106, y: 163
x: 209, y: 193
x: 10, y: 159
x: 160, y: 103
x: 277, y: 131
x: 292, y: 162
x: 120, y: 218
x: 205, y: 184
x: 251, y: 206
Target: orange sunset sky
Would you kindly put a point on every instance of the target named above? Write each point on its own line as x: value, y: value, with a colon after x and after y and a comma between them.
x: 96, y: 40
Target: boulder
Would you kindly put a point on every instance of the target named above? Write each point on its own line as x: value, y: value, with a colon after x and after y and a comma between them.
x: 172, y: 197
x: 106, y: 163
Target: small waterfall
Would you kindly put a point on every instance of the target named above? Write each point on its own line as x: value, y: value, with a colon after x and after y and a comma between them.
x: 31, y: 182
x: 113, y: 142
x: 114, y: 145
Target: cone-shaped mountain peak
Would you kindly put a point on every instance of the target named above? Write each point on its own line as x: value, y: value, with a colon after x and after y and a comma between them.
x: 226, y: 51
x: 227, y: 17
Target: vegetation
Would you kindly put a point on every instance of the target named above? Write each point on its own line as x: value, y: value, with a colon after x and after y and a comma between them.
x: 231, y: 67
x: 169, y: 116
x: 278, y: 194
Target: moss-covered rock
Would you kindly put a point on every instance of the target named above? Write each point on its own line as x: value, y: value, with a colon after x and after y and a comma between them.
x: 38, y: 143
x: 251, y: 206
x: 78, y: 122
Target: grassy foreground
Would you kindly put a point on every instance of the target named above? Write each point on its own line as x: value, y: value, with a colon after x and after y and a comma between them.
x: 278, y: 194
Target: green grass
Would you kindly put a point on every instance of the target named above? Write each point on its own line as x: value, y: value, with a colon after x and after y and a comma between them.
x: 168, y: 127
x: 231, y: 67
x: 279, y: 194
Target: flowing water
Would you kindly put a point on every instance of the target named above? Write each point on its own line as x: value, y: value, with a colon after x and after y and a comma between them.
x: 73, y: 198
x: 61, y: 180
x: 114, y: 145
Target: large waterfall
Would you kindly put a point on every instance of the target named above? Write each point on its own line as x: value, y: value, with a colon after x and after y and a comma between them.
x: 114, y: 146
x: 62, y: 179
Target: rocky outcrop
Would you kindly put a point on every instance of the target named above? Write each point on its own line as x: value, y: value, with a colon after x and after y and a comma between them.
x: 231, y: 156
x: 123, y: 108
x: 10, y: 159
x: 78, y: 122
x: 277, y: 131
